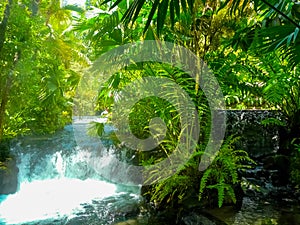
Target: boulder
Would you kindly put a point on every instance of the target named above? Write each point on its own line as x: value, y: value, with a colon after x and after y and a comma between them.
x: 278, y: 166
x: 9, y: 177
x: 194, y: 218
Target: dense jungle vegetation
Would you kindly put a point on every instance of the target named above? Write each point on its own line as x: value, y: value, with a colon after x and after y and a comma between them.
x: 251, y: 46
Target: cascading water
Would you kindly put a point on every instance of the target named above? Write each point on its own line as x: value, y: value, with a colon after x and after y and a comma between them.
x: 59, y: 183
x: 63, y: 179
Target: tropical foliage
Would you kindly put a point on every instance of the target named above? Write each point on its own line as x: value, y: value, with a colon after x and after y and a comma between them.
x: 188, y: 182
x: 39, y: 67
x: 252, y: 48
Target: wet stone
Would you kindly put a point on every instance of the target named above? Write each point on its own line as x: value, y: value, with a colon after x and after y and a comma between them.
x: 9, y: 178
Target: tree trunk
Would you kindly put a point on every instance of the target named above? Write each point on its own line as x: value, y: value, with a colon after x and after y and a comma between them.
x: 5, y: 95
x: 35, y: 7
x: 7, y: 80
x: 3, y: 24
x: 4, y: 100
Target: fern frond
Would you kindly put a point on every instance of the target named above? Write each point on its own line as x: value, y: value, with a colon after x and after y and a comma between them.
x: 230, y: 192
x: 204, y: 181
x: 171, y: 187
x: 272, y: 121
x: 221, y: 194
x: 222, y: 174
x: 220, y: 187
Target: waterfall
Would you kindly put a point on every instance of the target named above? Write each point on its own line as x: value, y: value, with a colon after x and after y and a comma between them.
x: 59, y: 175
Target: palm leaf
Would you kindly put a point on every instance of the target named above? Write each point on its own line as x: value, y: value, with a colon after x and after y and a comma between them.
x: 283, y: 38
x: 151, y: 14
x: 161, y: 8
x: 239, y: 5
x: 293, y: 54
x: 161, y: 14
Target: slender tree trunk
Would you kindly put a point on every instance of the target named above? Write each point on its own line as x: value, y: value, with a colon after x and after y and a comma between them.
x: 7, y: 79
x: 3, y: 24
x: 4, y: 101
x: 6, y: 93
x: 35, y: 7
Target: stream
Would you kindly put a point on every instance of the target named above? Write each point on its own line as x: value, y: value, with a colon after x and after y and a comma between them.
x: 63, y: 179
x: 59, y: 182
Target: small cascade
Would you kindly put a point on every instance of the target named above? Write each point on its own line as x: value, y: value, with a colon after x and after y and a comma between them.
x: 60, y: 178
x: 59, y: 164
x: 257, y: 139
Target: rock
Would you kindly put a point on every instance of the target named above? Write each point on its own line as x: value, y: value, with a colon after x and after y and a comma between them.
x: 9, y: 178
x: 289, y: 219
x: 128, y: 222
x: 278, y: 166
x: 280, y: 162
x: 194, y: 218
x: 239, y: 194
x: 128, y: 210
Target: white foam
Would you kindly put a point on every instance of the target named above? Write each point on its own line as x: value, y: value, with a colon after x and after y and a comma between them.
x: 43, y: 199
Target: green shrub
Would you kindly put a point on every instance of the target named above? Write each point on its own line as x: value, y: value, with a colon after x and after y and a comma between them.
x: 222, y: 174
x: 217, y: 181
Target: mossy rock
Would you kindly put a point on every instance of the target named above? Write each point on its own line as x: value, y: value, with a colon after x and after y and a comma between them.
x: 9, y: 177
x: 4, y: 151
x: 128, y: 222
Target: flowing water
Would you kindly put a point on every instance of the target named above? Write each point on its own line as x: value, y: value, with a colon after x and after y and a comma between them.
x: 60, y: 183
x: 65, y: 179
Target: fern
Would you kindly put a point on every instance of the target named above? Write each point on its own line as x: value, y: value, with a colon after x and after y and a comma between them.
x: 230, y: 193
x: 222, y: 174
x: 167, y: 189
x: 272, y: 121
x: 204, y: 181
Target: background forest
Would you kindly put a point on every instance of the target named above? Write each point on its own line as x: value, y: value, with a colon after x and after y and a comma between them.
x: 252, y: 48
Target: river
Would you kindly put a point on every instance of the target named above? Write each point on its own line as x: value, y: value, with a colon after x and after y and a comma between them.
x: 64, y: 178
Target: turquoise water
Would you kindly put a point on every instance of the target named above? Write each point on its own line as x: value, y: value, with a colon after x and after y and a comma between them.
x: 64, y: 180
x: 61, y: 181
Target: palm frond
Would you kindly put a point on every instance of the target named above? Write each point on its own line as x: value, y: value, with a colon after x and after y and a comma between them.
x: 283, y: 38
x: 160, y: 8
